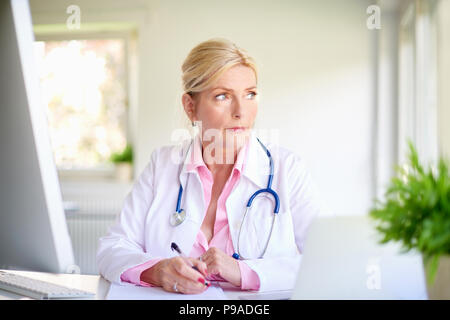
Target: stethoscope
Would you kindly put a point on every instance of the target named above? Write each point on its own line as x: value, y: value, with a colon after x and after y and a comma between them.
x: 179, y: 216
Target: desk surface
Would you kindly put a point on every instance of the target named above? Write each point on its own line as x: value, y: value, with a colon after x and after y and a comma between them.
x: 100, y: 286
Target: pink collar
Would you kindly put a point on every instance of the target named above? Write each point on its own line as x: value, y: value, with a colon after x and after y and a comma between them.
x: 197, y: 156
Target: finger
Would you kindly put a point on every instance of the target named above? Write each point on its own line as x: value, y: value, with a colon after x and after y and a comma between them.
x: 200, y: 265
x: 168, y: 282
x: 186, y: 271
x: 191, y: 287
x: 184, y: 285
x: 208, y: 265
x: 213, y: 264
x: 212, y: 253
x: 170, y: 287
x: 209, y: 259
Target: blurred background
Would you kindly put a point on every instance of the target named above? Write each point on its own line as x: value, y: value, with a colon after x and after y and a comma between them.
x: 345, y: 82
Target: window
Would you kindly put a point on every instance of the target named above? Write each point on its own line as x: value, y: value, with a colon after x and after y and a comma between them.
x: 418, y: 80
x: 444, y: 77
x: 84, y: 86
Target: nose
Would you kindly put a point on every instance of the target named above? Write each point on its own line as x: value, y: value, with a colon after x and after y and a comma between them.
x: 237, y: 109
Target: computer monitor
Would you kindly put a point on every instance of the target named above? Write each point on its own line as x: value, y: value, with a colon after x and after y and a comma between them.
x: 33, y: 231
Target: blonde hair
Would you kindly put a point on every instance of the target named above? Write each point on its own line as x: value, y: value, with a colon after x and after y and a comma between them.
x: 207, y: 61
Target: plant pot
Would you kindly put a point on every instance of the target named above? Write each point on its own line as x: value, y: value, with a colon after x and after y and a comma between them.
x: 124, y: 171
x: 440, y: 289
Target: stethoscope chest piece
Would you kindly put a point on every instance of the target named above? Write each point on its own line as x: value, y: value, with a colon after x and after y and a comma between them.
x: 177, y: 218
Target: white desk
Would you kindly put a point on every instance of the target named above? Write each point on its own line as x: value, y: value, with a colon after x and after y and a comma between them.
x: 99, y: 285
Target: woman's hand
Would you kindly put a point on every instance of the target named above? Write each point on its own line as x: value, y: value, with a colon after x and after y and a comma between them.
x: 167, y: 272
x: 219, y: 263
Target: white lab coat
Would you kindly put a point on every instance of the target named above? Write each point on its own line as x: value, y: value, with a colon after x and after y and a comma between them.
x: 143, y: 232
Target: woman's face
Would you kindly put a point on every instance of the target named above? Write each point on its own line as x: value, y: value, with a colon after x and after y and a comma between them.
x: 229, y: 107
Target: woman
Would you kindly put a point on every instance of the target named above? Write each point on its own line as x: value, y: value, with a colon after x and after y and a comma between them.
x: 223, y: 166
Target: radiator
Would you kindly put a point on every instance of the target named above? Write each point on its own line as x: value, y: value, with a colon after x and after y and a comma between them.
x: 85, y: 230
x: 90, y: 211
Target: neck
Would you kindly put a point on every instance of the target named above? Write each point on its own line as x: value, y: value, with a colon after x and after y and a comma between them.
x: 218, y: 158
x: 219, y: 155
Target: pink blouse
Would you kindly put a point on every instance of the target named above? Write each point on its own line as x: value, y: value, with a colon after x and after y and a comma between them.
x: 221, y: 238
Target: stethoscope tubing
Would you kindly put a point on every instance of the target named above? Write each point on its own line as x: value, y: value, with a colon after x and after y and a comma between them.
x: 269, y: 190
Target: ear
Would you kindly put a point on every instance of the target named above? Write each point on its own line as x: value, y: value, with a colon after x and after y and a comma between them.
x: 189, y: 106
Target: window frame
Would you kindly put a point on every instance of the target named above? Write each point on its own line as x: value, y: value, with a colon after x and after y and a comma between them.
x: 417, y: 95
x: 443, y: 26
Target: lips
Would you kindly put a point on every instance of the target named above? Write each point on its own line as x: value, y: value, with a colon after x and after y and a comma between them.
x: 236, y: 129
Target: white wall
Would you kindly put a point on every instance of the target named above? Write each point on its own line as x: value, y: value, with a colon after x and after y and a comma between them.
x: 316, y: 77
x: 314, y: 82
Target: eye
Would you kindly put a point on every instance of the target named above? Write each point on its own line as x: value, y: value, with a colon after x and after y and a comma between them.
x: 221, y: 96
x: 253, y: 93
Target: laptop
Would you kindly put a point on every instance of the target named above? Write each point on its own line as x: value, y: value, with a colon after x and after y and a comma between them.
x: 342, y: 259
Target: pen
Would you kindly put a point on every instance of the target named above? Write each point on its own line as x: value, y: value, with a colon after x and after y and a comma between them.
x: 175, y: 248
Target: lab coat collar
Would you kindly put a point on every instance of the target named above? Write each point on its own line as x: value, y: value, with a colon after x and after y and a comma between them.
x: 256, y: 168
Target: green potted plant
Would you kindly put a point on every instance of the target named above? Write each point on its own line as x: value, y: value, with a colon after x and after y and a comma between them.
x: 416, y: 212
x: 123, y: 162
